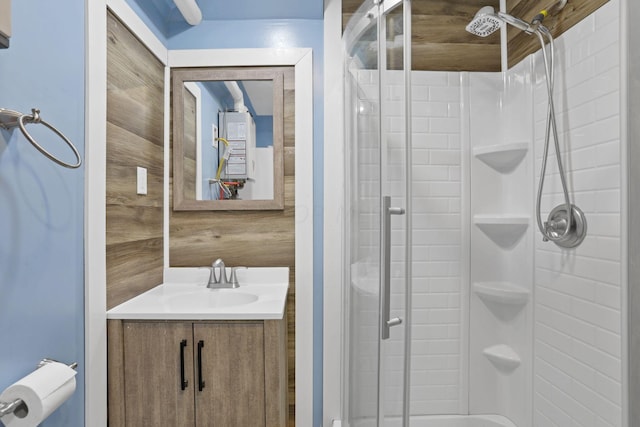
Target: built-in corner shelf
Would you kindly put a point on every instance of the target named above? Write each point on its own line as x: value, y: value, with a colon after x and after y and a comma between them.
x: 503, y: 157
x: 501, y: 293
x: 503, y: 357
x: 504, y: 230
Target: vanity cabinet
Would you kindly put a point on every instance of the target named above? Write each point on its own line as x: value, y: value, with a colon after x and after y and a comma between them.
x: 197, y: 373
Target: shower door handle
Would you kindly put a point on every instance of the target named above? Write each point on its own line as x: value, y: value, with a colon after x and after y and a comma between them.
x: 385, y: 292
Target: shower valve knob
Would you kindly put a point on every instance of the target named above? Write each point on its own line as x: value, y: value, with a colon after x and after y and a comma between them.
x: 394, y: 322
x: 555, y: 228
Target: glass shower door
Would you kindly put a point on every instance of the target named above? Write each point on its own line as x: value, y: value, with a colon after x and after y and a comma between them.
x: 376, y: 158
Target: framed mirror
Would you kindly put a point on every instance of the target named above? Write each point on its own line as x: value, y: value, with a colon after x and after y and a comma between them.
x: 228, y: 138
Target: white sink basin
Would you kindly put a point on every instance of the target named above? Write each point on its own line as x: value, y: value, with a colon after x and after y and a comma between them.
x: 211, y: 298
x: 184, y: 296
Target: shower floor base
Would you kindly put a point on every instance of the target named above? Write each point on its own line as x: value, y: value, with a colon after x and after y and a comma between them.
x: 440, y: 421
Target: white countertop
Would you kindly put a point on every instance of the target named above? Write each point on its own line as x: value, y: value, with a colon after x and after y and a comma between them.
x: 184, y: 296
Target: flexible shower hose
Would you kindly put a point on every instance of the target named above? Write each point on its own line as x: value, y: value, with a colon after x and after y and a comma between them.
x: 551, y: 128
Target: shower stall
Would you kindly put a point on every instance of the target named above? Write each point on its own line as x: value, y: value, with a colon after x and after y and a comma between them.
x: 459, y: 312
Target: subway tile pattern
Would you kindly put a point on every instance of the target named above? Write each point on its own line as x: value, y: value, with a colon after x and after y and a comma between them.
x: 577, y: 297
x: 436, y: 168
x: 578, y: 336
x: 364, y: 248
x: 437, y: 243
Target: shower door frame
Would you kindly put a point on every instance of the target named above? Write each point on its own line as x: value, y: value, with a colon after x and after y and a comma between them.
x: 380, y: 11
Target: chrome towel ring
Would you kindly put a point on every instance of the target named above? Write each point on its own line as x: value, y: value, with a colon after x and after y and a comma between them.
x: 10, y: 119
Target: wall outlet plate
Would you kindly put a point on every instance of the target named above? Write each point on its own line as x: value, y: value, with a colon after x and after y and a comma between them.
x: 141, y: 180
x: 214, y: 132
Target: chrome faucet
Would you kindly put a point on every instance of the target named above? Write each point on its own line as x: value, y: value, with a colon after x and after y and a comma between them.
x: 221, y: 281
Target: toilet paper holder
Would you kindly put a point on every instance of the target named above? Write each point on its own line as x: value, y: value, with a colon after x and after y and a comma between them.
x: 17, y: 405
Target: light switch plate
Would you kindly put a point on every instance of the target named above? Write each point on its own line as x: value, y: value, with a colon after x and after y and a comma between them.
x: 142, y: 180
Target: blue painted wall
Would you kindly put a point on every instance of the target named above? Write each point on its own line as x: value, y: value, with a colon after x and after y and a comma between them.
x: 210, y: 107
x: 222, y: 10
x: 41, y: 203
x: 264, y: 131
x: 154, y: 15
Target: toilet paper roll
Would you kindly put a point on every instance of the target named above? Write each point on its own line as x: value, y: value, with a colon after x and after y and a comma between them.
x: 42, y: 392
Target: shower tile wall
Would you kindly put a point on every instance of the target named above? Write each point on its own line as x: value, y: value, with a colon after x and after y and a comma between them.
x: 500, y: 117
x: 437, y: 243
x: 436, y: 346
x: 577, y: 366
x: 363, y: 342
x: 577, y: 297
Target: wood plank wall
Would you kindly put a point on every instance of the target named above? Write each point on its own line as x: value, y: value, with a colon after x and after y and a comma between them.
x: 135, y: 123
x: 440, y: 42
x: 521, y: 45
x: 190, y: 146
x: 248, y: 238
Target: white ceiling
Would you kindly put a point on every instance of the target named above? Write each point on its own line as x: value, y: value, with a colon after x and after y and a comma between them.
x: 261, y: 94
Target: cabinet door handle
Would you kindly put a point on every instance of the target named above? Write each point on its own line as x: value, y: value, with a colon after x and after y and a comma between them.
x: 183, y: 382
x: 200, y: 380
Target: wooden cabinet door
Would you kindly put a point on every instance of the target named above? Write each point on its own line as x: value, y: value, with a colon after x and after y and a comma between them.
x: 152, y: 374
x: 232, y: 367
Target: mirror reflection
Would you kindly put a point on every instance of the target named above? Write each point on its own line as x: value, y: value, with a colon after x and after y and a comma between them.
x: 227, y: 141
x: 229, y: 133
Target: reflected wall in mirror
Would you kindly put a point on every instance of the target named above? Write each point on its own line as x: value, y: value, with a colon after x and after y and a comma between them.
x: 228, y: 138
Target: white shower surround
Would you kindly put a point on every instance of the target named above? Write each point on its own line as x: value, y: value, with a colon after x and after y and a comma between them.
x: 439, y: 369
x: 569, y: 334
x: 442, y: 421
x: 578, y: 373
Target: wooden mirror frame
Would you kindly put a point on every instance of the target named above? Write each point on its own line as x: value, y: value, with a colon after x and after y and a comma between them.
x: 179, y: 76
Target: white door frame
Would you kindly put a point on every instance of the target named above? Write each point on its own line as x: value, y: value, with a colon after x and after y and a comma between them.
x: 95, y: 191
x: 333, y: 213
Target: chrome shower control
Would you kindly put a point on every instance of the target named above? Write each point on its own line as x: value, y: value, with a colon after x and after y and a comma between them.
x: 394, y: 322
x: 557, y: 222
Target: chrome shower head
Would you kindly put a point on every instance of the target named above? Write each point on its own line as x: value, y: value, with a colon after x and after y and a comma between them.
x: 485, y: 22
x: 516, y: 22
